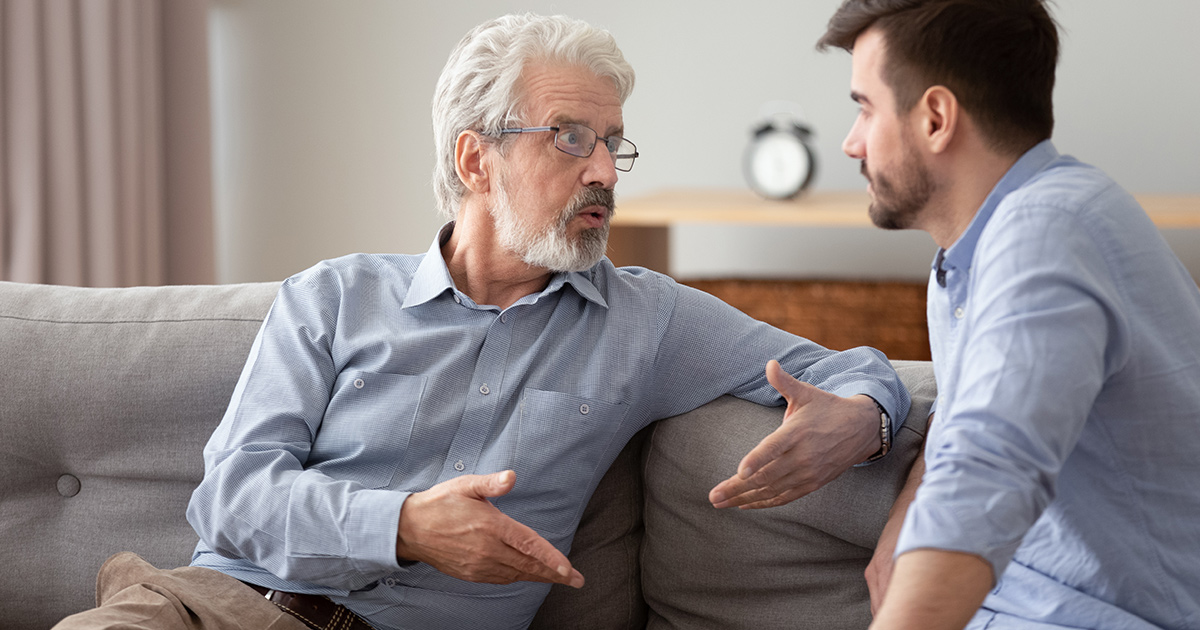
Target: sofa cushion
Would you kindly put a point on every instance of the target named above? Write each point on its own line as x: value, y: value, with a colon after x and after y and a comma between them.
x: 795, y: 566
x: 606, y: 551
x: 109, y: 398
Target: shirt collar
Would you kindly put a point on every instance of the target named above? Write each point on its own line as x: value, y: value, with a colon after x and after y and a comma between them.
x: 960, y: 254
x: 432, y: 278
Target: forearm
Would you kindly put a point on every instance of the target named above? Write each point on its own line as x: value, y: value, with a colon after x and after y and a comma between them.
x: 879, y: 571
x: 280, y: 520
x: 932, y: 589
x: 891, y: 530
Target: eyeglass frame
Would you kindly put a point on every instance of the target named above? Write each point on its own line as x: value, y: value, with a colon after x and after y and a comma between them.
x: 607, y: 140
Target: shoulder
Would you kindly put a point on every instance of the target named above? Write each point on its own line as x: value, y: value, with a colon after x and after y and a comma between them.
x: 640, y: 291
x: 1068, y: 191
x: 334, y: 281
x: 624, y: 284
x: 1067, y: 205
x: 356, y: 268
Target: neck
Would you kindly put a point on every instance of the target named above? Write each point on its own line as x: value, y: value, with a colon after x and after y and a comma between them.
x: 968, y: 180
x: 481, y: 268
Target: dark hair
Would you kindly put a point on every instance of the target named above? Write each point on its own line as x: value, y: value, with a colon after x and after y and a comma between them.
x: 996, y: 56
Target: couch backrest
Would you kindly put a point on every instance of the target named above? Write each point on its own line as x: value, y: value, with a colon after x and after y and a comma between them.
x: 658, y: 556
x: 108, y: 397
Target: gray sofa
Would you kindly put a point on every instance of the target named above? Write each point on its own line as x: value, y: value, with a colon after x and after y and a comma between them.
x: 110, y: 394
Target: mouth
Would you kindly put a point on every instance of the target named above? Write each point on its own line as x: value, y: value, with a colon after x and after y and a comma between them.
x: 595, y: 216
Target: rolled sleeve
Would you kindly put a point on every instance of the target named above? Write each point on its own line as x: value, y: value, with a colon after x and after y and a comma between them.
x: 1037, y: 342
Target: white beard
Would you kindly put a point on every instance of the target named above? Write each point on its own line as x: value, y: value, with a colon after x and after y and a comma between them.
x: 549, y: 247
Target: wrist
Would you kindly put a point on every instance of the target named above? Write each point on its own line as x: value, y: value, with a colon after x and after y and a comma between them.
x: 406, y: 529
x: 880, y: 431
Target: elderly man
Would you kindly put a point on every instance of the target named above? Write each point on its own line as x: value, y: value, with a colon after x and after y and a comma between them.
x: 413, y: 438
x: 1060, y: 486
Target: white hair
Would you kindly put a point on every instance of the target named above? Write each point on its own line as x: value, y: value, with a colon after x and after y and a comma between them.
x: 479, y: 87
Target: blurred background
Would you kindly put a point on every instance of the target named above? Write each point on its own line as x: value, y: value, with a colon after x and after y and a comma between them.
x: 322, y: 139
x: 297, y: 130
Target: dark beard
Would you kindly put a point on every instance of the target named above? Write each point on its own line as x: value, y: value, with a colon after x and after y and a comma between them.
x: 899, y: 202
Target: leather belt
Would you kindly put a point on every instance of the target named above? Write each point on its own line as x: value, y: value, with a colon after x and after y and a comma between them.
x: 315, y: 611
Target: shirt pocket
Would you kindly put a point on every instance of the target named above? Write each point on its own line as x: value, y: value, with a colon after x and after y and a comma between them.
x: 367, y: 425
x: 561, y: 440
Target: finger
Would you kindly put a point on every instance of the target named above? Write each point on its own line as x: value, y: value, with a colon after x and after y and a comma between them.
x: 772, y: 501
x: 769, y: 450
x: 774, y: 485
x: 738, y: 484
x: 487, y: 486
x: 793, y: 390
x: 763, y: 498
x: 873, y: 591
x: 543, y: 558
x: 735, y: 492
x: 509, y: 565
x: 797, y: 394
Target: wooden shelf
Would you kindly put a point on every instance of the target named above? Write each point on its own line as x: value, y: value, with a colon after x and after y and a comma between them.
x: 641, y: 225
x: 889, y: 316
x: 725, y: 206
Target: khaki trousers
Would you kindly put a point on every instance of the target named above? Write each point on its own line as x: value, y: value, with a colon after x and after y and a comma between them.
x: 133, y: 595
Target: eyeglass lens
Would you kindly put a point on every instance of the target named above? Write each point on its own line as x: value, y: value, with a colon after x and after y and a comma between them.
x: 580, y: 141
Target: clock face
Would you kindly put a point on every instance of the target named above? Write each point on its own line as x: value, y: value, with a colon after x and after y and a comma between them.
x: 778, y: 164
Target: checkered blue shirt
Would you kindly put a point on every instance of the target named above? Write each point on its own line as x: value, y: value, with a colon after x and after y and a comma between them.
x: 374, y: 377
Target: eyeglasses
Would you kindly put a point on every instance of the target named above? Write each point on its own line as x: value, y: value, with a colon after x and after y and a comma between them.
x: 580, y: 141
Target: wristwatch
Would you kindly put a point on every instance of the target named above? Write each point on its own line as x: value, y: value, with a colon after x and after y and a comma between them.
x: 885, y: 433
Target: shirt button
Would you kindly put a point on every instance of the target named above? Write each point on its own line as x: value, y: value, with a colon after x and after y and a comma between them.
x: 584, y: 409
x: 457, y: 300
x: 959, y: 312
x: 459, y: 466
x: 483, y: 389
x: 358, y: 383
x: 390, y: 582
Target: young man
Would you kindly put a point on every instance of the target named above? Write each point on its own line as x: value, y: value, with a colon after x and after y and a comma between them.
x: 413, y: 438
x: 1059, y: 488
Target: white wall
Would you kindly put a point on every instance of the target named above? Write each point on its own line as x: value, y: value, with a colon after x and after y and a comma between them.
x: 323, y: 141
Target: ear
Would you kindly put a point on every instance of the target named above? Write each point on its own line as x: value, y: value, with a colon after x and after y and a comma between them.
x: 470, y: 151
x: 938, y: 114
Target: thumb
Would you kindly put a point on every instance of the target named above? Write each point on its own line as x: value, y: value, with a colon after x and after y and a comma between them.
x: 493, y: 485
x: 797, y: 393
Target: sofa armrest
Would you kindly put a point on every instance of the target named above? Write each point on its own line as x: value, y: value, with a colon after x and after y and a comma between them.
x: 796, y: 566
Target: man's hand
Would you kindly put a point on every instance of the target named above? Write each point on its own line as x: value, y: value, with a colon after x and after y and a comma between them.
x: 879, y: 571
x: 821, y: 436
x: 454, y: 528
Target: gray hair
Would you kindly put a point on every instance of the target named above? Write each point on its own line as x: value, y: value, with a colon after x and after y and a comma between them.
x: 479, y: 87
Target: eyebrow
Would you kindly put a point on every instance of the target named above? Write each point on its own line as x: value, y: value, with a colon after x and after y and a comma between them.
x: 612, y: 131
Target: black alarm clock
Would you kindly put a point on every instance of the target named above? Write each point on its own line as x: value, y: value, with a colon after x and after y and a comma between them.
x: 780, y: 161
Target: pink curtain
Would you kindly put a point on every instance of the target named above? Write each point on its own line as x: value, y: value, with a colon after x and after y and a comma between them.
x: 104, y: 147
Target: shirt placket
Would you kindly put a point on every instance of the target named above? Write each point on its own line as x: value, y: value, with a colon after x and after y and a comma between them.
x: 485, y: 395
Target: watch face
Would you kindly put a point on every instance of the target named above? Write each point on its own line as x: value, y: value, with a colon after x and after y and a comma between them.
x: 778, y: 164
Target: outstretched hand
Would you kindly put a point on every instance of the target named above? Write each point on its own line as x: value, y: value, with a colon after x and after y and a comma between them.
x: 453, y: 527
x: 821, y: 436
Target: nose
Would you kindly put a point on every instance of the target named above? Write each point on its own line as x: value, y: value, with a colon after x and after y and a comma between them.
x: 600, y: 171
x: 853, y: 145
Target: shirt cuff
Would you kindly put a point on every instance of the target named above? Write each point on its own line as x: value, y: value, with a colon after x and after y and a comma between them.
x: 371, y: 529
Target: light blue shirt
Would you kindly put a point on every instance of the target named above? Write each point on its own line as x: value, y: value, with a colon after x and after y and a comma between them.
x: 373, y: 377
x: 1066, y: 345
